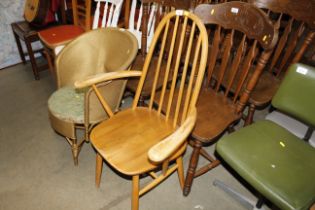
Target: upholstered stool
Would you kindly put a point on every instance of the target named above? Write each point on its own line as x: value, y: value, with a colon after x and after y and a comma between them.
x: 24, y: 31
x: 66, y: 109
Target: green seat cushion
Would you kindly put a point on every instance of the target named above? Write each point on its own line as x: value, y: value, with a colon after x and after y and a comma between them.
x: 275, y: 162
x: 67, y: 104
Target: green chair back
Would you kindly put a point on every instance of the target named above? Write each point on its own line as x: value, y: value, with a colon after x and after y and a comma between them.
x: 296, y: 94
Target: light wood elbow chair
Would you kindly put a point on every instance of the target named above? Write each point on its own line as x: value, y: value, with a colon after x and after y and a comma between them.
x: 141, y: 140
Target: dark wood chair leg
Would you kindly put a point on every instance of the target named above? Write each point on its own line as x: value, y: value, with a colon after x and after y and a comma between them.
x: 32, y: 58
x: 192, y: 167
x: 250, y: 116
x: 19, y: 46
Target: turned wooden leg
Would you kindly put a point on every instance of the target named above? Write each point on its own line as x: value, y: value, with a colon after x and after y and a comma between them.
x: 98, y: 170
x: 192, y: 167
x: 19, y: 46
x: 75, y: 151
x: 250, y: 115
x: 180, y: 171
x: 135, y: 193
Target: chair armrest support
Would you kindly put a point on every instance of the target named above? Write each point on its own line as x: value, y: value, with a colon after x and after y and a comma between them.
x: 107, y: 76
x: 162, y: 150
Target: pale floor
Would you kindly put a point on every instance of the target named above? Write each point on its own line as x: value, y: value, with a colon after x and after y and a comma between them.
x: 37, y: 171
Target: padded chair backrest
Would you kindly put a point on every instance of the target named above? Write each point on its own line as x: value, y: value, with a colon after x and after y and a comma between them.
x: 107, y: 13
x: 97, y: 51
x: 296, y: 94
x: 240, y: 39
x: 81, y: 11
x: 295, y: 21
x: 185, y: 76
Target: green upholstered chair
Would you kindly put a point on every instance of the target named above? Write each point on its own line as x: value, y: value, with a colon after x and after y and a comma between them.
x: 279, y: 165
x: 98, y: 51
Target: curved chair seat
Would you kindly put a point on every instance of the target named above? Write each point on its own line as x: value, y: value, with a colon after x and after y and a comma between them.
x: 139, y: 125
x: 274, y: 161
x: 67, y: 104
x: 218, y: 114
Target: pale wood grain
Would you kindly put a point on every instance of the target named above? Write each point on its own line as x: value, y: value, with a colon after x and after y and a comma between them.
x: 106, y: 76
x: 162, y: 150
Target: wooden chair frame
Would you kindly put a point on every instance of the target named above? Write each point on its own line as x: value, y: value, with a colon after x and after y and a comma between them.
x: 289, y: 48
x: 172, y: 145
x: 230, y: 76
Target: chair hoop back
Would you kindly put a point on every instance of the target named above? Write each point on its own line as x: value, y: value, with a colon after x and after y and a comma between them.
x: 183, y: 27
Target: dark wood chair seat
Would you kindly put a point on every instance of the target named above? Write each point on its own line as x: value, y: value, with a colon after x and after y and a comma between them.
x: 265, y: 89
x: 217, y: 113
x: 214, y: 107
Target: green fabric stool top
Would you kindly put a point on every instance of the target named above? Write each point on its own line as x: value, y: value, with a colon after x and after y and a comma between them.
x: 67, y: 103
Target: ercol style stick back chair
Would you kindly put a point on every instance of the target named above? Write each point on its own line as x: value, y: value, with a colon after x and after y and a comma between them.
x: 140, y: 140
x: 295, y: 20
x: 143, y: 20
x: 279, y: 165
x: 92, y: 53
x: 237, y: 30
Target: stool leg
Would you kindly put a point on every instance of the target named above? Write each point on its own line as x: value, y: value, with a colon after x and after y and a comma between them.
x: 19, y: 46
x: 32, y: 58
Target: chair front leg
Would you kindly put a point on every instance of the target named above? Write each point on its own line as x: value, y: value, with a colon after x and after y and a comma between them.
x: 250, y: 115
x: 180, y: 171
x: 135, y: 193
x: 98, y: 171
x: 192, y: 167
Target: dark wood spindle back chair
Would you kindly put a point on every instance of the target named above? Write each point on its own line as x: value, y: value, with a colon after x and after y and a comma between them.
x: 240, y: 38
x: 162, y: 8
x: 295, y: 21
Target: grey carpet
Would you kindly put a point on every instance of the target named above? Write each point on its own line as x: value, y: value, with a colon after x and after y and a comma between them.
x: 37, y: 171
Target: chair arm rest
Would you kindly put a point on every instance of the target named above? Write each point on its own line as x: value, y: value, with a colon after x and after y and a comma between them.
x: 164, y: 149
x: 103, y: 77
